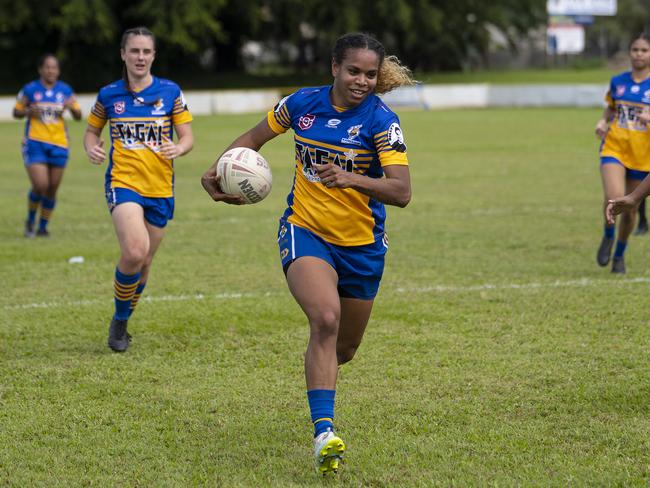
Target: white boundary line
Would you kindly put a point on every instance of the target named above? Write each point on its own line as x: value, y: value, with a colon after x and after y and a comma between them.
x: 580, y: 283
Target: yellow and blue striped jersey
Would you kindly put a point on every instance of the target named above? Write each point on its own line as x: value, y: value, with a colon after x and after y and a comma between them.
x: 49, y: 126
x: 362, y: 140
x: 139, y: 124
x: 628, y: 140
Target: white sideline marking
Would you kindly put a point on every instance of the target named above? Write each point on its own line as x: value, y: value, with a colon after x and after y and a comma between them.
x: 583, y: 282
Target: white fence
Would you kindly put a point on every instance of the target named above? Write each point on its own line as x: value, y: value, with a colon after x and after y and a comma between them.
x: 425, y: 97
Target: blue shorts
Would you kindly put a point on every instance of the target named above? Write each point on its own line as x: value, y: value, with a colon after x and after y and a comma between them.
x: 157, y: 211
x: 632, y: 174
x: 359, y: 268
x: 42, y: 152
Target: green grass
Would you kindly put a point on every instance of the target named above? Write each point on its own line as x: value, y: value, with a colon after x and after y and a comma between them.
x: 498, y: 353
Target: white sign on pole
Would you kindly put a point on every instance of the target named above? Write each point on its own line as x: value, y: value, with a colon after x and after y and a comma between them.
x: 581, y: 7
x: 565, y: 39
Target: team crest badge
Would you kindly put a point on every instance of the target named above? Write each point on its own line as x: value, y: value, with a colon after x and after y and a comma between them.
x: 119, y: 107
x: 306, y: 121
x: 635, y: 89
x: 158, y: 107
x: 353, y: 133
x: 38, y: 96
x: 620, y: 90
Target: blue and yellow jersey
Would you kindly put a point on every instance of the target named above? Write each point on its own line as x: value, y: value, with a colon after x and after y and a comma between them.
x: 49, y: 126
x: 362, y: 140
x: 627, y: 139
x: 139, y: 124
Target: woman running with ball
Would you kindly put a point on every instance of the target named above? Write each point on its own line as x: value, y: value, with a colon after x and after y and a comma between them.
x: 143, y: 112
x: 350, y: 162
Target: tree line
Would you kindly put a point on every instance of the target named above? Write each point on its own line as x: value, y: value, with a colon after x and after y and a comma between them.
x: 201, y: 41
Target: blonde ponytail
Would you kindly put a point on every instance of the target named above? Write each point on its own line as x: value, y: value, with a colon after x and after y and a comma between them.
x: 393, y: 74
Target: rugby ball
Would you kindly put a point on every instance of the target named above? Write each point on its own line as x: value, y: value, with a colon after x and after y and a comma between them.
x: 244, y: 172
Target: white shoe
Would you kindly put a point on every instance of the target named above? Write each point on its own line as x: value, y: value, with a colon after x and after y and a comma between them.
x: 328, y: 451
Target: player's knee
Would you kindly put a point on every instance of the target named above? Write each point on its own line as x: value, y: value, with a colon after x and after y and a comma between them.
x: 345, y: 352
x: 135, y: 255
x: 325, y: 323
x: 40, y: 189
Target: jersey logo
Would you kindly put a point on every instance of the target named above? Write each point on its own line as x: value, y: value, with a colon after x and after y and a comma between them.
x: 353, y: 133
x: 137, y: 135
x: 306, y: 121
x: 620, y: 90
x: 332, y: 123
x: 59, y: 97
x: 646, y: 97
x: 158, y: 107
x: 38, y: 96
x: 309, y: 156
x: 119, y: 107
x: 635, y: 89
x: 396, y: 138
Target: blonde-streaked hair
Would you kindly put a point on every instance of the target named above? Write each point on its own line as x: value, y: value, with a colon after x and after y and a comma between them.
x: 392, y: 73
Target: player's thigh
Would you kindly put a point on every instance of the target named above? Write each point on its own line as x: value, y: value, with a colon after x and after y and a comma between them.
x: 355, y: 314
x: 631, y: 184
x: 38, y: 176
x: 130, y: 228
x: 613, y: 177
x: 313, y: 283
x: 156, y: 235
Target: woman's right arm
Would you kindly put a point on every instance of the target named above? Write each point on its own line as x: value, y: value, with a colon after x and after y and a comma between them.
x: 94, y: 145
x: 603, y: 123
x: 253, y: 139
x: 24, y: 109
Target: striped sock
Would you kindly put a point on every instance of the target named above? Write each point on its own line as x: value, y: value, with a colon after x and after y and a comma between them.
x: 136, y: 296
x: 321, y: 405
x: 124, y: 289
x: 47, y: 207
x: 33, y: 201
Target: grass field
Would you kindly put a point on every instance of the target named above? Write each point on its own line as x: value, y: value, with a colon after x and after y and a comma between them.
x: 498, y: 353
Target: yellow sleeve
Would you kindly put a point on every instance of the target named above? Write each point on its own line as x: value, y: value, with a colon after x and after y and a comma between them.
x: 388, y: 158
x: 97, y: 116
x: 180, y: 113
x: 610, y: 100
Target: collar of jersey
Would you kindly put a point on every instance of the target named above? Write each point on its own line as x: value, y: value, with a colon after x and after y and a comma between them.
x: 154, y: 82
x: 352, y: 110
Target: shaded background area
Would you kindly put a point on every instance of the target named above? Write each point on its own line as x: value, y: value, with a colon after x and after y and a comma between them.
x: 245, y: 43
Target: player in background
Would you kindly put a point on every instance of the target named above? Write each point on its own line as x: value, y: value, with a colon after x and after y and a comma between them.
x: 625, y: 148
x: 642, y: 226
x: 45, y: 144
x: 142, y: 111
x: 350, y: 161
